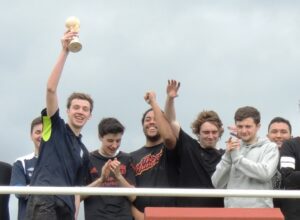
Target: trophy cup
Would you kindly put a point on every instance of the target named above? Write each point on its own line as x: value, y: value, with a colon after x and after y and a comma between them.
x: 73, y: 24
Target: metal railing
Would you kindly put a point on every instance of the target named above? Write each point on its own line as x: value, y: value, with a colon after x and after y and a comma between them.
x: 163, y: 192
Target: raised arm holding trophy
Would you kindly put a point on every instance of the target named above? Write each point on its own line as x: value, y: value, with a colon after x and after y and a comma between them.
x: 73, y: 24
x: 63, y: 159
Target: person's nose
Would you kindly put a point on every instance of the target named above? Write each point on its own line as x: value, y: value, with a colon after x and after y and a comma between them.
x: 80, y: 110
x: 278, y: 135
x: 152, y: 122
x: 244, y: 130
x: 115, y: 145
x: 210, y: 135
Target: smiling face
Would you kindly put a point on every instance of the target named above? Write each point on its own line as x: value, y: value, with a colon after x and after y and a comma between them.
x: 78, y: 113
x: 279, y: 132
x: 247, y: 129
x: 36, y: 135
x: 150, y: 128
x: 208, y: 135
x: 110, y: 144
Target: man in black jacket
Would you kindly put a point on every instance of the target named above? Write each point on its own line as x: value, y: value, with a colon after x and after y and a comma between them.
x: 290, y: 170
x: 5, y: 173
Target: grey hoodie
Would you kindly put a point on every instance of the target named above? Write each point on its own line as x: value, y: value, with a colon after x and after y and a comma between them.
x: 250, y: 167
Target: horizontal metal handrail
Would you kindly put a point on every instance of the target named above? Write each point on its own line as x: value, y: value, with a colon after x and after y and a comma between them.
x: 163, y: 192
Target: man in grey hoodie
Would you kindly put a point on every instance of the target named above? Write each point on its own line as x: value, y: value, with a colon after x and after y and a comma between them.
x: 250, y: 162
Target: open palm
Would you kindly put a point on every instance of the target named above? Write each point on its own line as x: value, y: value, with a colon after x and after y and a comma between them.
x: 172, y: 88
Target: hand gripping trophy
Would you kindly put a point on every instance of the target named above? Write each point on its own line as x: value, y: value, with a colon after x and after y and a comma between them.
x: 73, y: 24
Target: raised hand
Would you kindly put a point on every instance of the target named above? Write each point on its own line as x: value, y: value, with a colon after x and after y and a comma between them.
x: 66, y: 39
x: 172, y: 88
x: 233, y: 130
x: 150, y: 97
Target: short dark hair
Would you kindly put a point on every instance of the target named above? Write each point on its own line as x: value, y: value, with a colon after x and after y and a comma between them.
x: 145, y: 113
x: 207, y: 116
x: 110, y: 126
x: 82, y: 96
x: 280, y: 120
x: 36, y: 121
x: 247, y: 112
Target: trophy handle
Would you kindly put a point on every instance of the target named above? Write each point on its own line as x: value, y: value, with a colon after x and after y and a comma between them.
x: 75, y: 45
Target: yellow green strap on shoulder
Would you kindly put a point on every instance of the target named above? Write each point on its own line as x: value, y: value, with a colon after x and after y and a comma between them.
x: 46, y: 128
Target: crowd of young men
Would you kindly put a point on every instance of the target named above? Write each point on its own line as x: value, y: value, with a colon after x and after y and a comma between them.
x: 170, y: 158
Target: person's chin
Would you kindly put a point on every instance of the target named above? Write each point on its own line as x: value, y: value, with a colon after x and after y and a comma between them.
x: 153, y: 137
x: 152, y: 134
x: 211, y: 144
x: 79, y: 125
x: 246, y: 140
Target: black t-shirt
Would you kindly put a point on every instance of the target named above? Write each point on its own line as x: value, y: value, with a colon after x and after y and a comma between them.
x: 153, y: 167
x: 290, y: 170
x: 63, y: 158
x: 109, y: 207
x: 196, y: 166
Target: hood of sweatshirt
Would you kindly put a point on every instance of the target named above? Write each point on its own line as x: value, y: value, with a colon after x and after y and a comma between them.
x: 260, y: 142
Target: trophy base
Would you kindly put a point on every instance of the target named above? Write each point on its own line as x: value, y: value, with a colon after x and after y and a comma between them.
x: 74, y: 46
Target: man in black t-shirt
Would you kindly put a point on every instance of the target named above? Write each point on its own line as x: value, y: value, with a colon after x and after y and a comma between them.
x: 63, y: 158
x: 109, y: 168
x: 196, y: 158
x: 150, y: 161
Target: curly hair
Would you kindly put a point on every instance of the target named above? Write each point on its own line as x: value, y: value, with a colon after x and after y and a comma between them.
x: 207, y: 116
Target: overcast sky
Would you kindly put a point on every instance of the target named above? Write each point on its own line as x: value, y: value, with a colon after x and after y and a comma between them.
x: 226, y: 54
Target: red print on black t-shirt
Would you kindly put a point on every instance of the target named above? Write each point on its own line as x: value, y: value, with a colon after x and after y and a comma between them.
x: 147, y: 162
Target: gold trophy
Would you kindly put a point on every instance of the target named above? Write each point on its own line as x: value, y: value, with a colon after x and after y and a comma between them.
x: 73, y: 24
